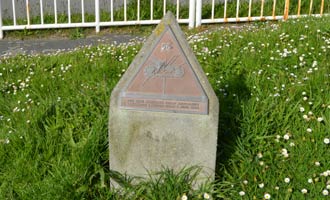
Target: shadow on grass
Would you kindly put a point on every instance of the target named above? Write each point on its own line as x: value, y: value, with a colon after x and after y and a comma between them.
x: 231, y: 101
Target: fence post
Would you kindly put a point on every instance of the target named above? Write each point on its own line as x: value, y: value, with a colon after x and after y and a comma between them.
x: 322, y: 6
x: 28, y: 12
x: 198, y: 13
x: 97, y: 16
x: 192, y: 10
x: 286, y: 9
x: 310, y: 7
x: 274, y: 8
x: 1, y: 31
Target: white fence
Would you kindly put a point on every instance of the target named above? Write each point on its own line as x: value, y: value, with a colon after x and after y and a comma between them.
x: 143, y: 12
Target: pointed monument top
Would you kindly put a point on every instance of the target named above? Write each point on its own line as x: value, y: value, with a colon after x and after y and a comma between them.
x: 166, y: 75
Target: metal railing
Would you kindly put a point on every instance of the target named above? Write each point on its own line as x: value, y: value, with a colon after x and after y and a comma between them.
x: 97, y: 23
x: 279, y: 10
x: 197, y: 13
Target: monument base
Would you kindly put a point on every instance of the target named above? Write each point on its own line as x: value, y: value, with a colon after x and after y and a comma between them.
x: 143, y: 142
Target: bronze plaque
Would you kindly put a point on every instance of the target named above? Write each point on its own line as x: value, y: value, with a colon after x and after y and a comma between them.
x: 165, y: 81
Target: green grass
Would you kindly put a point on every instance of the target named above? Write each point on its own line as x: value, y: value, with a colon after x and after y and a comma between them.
x: 272, y: 81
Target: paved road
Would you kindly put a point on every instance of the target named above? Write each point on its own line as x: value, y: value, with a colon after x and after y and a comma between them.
x: 10, y: 47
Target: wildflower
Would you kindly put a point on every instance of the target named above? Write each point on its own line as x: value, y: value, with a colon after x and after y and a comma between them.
x: 325, y: 192
x: 184, y: 197
x: 317, y: 163
x: 259, y: 155
x: 284, y: 151
x: 292, y: 144
x: 245, y: 182
x: 302, y: 109
x: 326, y: 140
x: 319, y: 119
x: 16, y: 109
x: 305, y: 98
x: 310, y: 113
x: 261, y: 185
x: 326, y: 173
x: 314, y: 64
x: 287, y: 180
x: 205, y: 49
x: 286, y: 136
x: 328, y: 187
x: 310, y: 180
x: 267, y: 196
x: 206, y: 196
x: 277, y: 188
x: 304, y: 191
x: 305, y: 117
x: 309, y: 130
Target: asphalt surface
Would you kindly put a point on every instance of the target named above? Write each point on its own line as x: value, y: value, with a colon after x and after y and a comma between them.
x: 12, y: 47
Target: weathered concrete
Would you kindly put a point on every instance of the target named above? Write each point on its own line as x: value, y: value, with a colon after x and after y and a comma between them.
x: 156, y: 136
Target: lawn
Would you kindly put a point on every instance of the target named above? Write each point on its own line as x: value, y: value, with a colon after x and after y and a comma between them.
x: 272, y: 80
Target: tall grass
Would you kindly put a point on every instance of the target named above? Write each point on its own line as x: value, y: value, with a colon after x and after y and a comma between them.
x: 272, y: 81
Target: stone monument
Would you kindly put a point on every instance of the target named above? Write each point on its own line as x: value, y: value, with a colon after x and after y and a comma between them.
x: 163, y: 111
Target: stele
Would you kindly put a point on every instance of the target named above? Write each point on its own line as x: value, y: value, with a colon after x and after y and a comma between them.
x: 163, y: 111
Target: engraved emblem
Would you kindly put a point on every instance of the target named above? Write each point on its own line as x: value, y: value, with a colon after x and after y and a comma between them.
x: 163, y: 69
x: 166, y: 47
